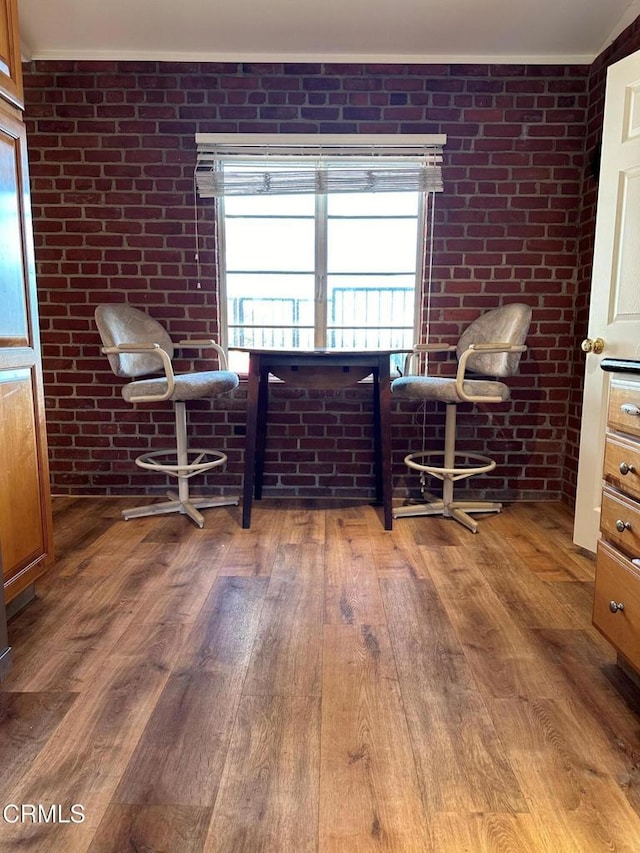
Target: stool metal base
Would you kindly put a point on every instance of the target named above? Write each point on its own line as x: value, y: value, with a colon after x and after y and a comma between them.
x: 455, y: 465
x: 176, y: 463
x: 188, y: 507
x: 458, y: 510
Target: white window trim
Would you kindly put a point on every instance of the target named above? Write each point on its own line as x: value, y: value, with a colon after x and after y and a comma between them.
x: 214, y: 147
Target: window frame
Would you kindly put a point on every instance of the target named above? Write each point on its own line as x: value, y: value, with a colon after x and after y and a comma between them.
x: 321, y: 295
x: 305, y: 149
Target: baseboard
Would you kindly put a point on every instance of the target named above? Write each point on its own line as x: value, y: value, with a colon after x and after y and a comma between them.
x: 21, y: 600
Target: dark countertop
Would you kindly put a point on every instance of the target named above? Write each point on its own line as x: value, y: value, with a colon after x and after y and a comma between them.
x: 621, y: 365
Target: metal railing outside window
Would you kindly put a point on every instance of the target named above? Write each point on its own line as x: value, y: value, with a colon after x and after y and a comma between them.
x: 359, y: 318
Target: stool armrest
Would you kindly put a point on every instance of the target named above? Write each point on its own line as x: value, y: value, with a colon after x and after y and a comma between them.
x: 499, y: 347
x: 435, y: 347
x: 484, y: 349
x: 200, y: 343
x: 156, y: 349
x: 426, y: 348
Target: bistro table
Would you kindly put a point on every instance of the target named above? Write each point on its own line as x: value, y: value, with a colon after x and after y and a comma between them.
x: 316, y: 368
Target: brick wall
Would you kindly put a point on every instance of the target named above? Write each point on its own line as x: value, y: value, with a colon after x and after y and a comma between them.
x: 112, y: 153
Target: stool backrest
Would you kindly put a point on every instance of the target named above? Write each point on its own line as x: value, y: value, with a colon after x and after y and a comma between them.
x: 506, y: 325
x: 122, y: 324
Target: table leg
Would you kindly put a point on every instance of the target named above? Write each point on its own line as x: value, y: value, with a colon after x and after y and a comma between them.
x: 253, y: 389
x: 382, y: 407
x: 261, y: 433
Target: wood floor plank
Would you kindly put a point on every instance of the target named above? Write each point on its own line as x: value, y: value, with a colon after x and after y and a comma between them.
x: 320, y: 684
x: 499, y: 833
x: 102, y: 541
x: 27, y: 720
x: 607, y: 700
x: 502, y: 653
x: 79, y: 522
x: 272, y: 770
x: 577, y: 598
x: 305, y: 523
x: 395, y: 555
x: 151, y: 828
x: 352, y: 594
x: 100, y: 564
x: 287, y: 654
x: 86, y: 755
x: 180, y: 756
x: 178, y: 594
x: 37, y: 624
x: 220, y: 522
x: 461, y: 763
x: 433, y: 532
x: 85, y: 627
x: 543, y: 553
x: 252, y: 552
x: 77, y: 670
x: 521, y: 591
x: 545, y: 741
x: 369, y: 792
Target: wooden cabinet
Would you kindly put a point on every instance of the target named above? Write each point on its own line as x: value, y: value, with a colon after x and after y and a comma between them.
x: 10, y: 65
x: 6, y: 658
x: 616, y: 609
x: 25, y: 510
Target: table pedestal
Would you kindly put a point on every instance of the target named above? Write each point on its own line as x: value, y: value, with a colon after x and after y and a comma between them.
x: 317, y: 369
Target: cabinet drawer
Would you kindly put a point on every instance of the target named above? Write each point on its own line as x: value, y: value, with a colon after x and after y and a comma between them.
x: 624, y: 406
x: 618, y: 583
x: 620, y: 455
x: 620, y: 522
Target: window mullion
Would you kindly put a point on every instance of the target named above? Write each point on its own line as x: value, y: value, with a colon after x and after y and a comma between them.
x: 221, y: 269
x: 320, y: 296
x: 421, y: 268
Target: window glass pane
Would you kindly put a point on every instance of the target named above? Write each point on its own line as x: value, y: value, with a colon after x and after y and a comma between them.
x: 371, y: 301
x: 365, y: 245
x: 270, y: 244
x: 279, y: 339
x: 373, y: 204
x: 371, y: 311
x: 258, y: 305
x: 371, y: 339
x: 269, y: 256
x: 269, y: 205
x: 260, y: 285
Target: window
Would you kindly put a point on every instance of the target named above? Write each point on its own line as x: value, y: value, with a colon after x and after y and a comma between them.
x: 312, y: 266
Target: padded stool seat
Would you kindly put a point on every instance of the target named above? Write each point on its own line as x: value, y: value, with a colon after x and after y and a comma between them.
x: 444, y: 390
x: 187, y: 386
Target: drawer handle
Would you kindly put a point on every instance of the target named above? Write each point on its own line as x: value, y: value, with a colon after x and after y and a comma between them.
x: 621, y: 525
x: 630, y: 409
x: 626, y: 469
x: 614, y: 608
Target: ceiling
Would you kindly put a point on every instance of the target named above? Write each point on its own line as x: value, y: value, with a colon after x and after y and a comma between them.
x: 504, y: 31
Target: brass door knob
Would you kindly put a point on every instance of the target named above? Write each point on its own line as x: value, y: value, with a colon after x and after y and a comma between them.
x: 595, y: 346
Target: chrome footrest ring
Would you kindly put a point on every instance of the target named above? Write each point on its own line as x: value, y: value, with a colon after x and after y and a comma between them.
x: 456, y: 473
x: 204, y: 460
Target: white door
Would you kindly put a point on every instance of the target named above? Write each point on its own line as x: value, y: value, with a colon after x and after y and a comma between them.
x: 614, y: 312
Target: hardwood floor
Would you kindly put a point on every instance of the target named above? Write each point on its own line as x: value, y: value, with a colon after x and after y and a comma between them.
x: 317, y: 683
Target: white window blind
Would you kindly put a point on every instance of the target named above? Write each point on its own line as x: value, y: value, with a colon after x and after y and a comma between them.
x: 255, y: 164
